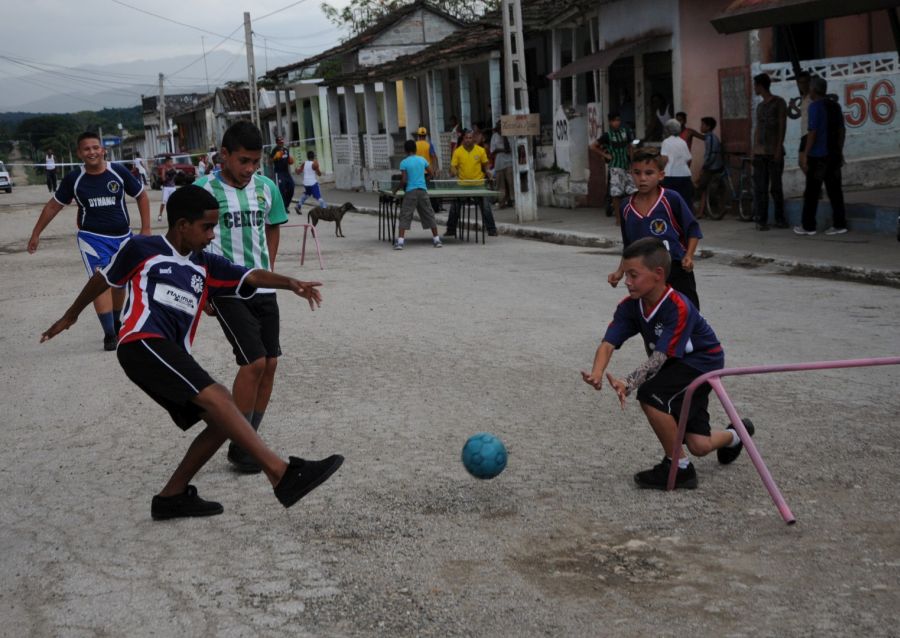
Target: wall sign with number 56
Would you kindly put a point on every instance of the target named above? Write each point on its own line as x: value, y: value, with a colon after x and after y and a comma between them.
x: 876, y: 104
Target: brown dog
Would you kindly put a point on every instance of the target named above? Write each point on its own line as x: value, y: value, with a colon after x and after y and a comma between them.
x: 330, y: 214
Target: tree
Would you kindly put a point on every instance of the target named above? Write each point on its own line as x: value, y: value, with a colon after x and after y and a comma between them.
x: 359, y: 15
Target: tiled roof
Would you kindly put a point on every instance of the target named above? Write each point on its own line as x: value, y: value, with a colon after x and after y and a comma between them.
x: 363, y: 38
x: 235, y: 99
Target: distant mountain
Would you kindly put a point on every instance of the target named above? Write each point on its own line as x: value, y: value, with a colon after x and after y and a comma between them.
x: 92, y: 87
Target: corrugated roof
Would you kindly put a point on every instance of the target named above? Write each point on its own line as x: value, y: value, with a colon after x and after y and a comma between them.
x: 364, y: 37
x: 743, y: 15
x: 235, y: 99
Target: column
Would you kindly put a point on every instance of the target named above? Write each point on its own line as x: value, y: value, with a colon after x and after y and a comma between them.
x: 411, y: 102
x: 391, y: 111
x: 555, y: 63
x: 288, y: 127
x: 495, y: 87
x: 371, y: 108
x: 436, y: 109
x: 332, y: 114
x: 278, y: 129
x: 322, y: 143
x: 640, y: 118
x: 465, y: 100
x: 574, y: 75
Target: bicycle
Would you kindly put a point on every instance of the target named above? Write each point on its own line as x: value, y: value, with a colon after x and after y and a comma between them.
x: 722, y: 193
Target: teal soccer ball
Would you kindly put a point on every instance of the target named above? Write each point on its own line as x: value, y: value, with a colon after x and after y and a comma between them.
x: 484, y: 455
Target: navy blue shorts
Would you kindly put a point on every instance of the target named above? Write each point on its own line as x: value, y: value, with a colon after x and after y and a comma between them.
x: 665, y: 391
x: 169, y: 375
x: 313, y: 191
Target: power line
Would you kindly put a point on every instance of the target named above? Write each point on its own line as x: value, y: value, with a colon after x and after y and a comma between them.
x: 271, y: 13
x: 167, y: 19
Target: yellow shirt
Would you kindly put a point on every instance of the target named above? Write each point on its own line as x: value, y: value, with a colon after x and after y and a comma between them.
x: 423, y: 150
x: 468, y: 165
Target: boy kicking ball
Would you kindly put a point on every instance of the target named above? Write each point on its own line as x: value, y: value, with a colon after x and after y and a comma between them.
x: 170, y: 279
x: 682, y: 346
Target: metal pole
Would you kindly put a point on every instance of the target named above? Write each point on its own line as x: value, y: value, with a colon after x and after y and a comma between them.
x: 163, y: 122
x: 205, y: 67
x: 251, y: 70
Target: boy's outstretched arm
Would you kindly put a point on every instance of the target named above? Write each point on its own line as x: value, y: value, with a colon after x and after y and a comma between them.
x: 306, y: 289
x: 95, y: 286
x: 601, y: 360
x: 50, y: 210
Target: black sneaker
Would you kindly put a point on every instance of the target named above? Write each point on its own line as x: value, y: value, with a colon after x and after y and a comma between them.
x: 658, y: 477
x: 492, y: 233
x: 781, y: 224
x: 109, y: 343
x: 727, y: 455
x: 450, y: 233
x: 762, y: 227
x: 242, y: 461
x: 302, y: 477
x: 183, y: 505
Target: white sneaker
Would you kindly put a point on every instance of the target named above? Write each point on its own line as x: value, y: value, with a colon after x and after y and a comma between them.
x: 437, y: 242
x: 398, y: 245
x: 835, y: 231
x: 799, y: 230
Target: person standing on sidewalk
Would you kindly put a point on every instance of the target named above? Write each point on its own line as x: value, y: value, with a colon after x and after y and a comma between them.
x: 281, y: 161
x: 822, y: 160
x: 768, y: 154
x: 503, y: 167
x: 50, y: 168
x: 250, y: 214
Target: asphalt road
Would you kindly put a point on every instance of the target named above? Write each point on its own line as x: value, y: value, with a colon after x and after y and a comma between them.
x: 411, y: 353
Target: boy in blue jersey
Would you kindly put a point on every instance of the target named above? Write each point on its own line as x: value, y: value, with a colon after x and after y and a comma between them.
x: 660, y: 212
x: 415, y: 196
x: 681, y: 347
x: 170, y: 279
x: 99, y: 189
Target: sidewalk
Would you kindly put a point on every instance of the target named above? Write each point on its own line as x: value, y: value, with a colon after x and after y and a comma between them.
x: 869, y: 257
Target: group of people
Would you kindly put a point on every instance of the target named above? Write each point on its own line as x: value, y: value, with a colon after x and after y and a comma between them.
x: 820, y: 154
x: 218, y: 254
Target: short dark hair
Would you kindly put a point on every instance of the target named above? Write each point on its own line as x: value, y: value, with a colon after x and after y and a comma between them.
x: 650, y: 154
x: 409, y: 146
x: 242, y: 134
x: 613, y: 115
x: 88, y: 135
x: 803, y: 75
x: 818, y: 84
x: 681, y: 114
x: 710, y: 122
x: 763, y: 80
x: 189, y: 202
x: 651, y: 250
x: 310, y: 155
x: 167, y: 158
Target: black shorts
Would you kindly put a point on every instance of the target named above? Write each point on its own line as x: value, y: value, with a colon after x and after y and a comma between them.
x: 665, y: 391
x: 168, y: 375
x: 250, y: 325
x: 684, y: 282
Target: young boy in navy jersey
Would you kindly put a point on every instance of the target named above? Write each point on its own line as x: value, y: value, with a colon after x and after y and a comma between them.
x: 170, y: 279
x: 681, y: 347
x: 99, y: 189
x: 660, y: 212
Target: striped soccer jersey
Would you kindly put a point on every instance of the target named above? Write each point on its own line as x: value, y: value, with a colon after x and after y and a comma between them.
x: 669, y: 219
x: 244, y: 213
x: 100, y: 198
x: 167, y: 290
x: 674, y: 327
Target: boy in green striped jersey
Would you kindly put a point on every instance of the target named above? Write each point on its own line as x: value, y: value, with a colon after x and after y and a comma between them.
x: 250, y: 212
x: 615, y: 147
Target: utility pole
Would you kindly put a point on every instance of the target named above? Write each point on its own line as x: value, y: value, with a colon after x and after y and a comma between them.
x: 205, y: 67
x: 163, y: 122
x: 517, y: 104
x: 251, y: 70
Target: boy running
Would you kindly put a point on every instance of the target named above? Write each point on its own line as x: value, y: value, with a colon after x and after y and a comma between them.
x: 170, y: 279
x: 415, y: 195
x: 660, y: 212
x: 99, y: 189
x: 681, y: 347
x: 250, y: 213
x: 311, y: 175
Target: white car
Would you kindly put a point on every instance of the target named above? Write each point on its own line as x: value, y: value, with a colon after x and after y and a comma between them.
x: 5, y: 180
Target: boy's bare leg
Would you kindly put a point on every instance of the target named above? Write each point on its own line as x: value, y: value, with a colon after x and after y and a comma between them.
x: 117, y: 298
x: 225, y: 422
x: 104, y: 303
x: 247, y: 384
x: 702, y: 445
x: 266, y: 383
x: 664, y: 426
x: 616, y: 202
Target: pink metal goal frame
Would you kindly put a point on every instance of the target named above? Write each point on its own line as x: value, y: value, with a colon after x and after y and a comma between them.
x: 714, y: 380
x: 307, y: 228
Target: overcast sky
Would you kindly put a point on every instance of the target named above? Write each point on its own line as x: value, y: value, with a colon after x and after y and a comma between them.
x: 73, y: 33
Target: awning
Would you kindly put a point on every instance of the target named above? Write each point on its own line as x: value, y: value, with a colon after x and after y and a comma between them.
x: 744, y: 15
x: 603, y: 58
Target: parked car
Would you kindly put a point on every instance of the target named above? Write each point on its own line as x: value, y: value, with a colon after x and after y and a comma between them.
x: 5, y: 180
x: 182, y: 165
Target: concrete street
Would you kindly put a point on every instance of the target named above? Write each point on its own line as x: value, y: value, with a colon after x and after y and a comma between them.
x: 412, y: 352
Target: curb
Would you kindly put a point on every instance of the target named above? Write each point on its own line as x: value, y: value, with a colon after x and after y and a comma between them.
x: 787, y: 265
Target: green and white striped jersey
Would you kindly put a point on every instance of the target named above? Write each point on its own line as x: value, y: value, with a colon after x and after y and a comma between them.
x: 240, y: 235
